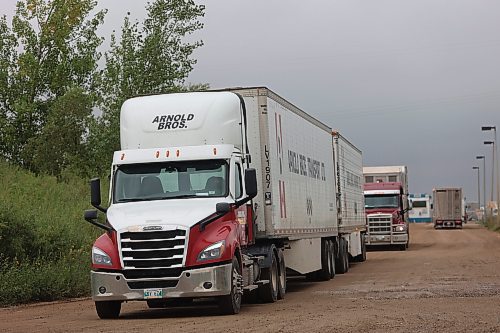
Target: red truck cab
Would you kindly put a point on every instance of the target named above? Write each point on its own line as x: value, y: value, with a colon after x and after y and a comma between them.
x: 386, y: 207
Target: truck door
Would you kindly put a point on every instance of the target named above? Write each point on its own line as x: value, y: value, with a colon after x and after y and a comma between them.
x: 240, y: 212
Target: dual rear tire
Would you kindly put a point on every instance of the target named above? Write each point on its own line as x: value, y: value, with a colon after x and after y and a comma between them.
x: 327, y: 271
x: 342, y: 260
x: 276, y: 274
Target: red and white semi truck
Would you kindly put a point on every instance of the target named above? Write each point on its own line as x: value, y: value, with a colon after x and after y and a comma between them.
x: 216, y: 194
x: 387, y: 205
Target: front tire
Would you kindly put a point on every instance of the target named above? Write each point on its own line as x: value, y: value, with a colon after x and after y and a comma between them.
x: 231, y: 304
x: 108, y: 309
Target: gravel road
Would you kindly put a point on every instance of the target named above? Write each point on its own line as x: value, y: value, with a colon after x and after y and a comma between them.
x: 447, y: 281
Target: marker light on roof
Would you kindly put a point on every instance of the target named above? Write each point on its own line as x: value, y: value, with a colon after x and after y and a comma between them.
x: 178, y: 152
x: 215, y: 151
x: 168, y: 153
x: 157, y: 153
x: 123, y: 157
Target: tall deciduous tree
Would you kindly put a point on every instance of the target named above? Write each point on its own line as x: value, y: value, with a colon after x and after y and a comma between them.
x: 50, y: 49
x: 150, y: 58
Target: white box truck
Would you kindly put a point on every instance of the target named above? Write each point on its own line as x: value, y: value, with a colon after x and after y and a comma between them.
x: 387, y: 206
x: 216, y: 194
x: 449, y: 211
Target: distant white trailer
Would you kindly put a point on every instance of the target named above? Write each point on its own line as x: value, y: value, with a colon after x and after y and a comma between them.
x: 448, y: 207
x: 421, y: 211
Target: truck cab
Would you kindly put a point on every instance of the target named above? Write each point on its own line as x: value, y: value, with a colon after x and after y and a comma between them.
x: 177, y: 220
x: 386, y: 207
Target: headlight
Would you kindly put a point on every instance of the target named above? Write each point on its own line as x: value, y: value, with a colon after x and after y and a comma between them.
x: 399, y: 228
x: 99, y: 257
x: 214, y: 251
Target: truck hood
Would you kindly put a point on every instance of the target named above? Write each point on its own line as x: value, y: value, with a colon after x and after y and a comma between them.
x: 392, y: 211
x: 397, y: 219
x: 174, y: 212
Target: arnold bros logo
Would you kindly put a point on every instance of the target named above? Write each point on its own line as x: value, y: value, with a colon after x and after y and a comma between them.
x: 173, y: 121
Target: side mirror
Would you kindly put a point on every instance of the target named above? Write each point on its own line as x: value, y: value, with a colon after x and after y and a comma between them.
x: 95, y: 194
x: 90, y: 215
x: 251, y: 182
x: 222, y: 208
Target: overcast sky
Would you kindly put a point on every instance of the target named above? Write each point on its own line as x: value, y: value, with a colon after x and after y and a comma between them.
x: 408, y: 82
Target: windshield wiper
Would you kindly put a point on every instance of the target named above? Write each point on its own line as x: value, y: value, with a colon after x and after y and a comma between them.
x: 183, y: 196
x: 140, y: 199
x: 129, y: 200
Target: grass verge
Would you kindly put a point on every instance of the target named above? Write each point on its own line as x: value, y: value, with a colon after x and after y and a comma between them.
x: 45, y: 243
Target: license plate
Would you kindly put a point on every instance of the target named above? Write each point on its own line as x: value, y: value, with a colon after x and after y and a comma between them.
x: 153, y: 293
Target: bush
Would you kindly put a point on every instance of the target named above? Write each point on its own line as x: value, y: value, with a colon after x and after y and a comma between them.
x: 44, y: 280
x: 44, y: 241
x: 493, y: 223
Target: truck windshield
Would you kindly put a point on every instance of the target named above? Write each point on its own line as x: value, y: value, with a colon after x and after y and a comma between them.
x: 382, y: 201
x: 170, y: 180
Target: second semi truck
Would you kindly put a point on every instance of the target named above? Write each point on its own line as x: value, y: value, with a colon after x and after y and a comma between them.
x: 217, y: 194
x: 387, y: 206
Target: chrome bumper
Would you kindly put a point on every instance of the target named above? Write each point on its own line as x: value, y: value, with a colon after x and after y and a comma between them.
x: 190, y: 285
x: 387, y: 239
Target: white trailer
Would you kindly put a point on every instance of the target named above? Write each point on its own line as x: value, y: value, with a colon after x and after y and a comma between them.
x: 216, y: 194
x: 448, y: 207
x: 387, y: 174
x: 350, y: 198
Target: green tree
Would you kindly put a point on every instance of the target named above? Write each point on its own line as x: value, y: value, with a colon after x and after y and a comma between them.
x: 150, y: 58
x: 59, y: 144
x: 50, y: 49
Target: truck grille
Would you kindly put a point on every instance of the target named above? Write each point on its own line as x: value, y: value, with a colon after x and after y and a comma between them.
x: 153, y: 259
x: 379, y: 224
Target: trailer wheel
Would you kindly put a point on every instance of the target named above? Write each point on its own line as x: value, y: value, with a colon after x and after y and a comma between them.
x: 324, y: 274
x: 268, y: 292
x: 231, y: 304
x: 281, y: 275
x: 346, y: 261
x: 108, y: 309
x: 342, y: 261
x: 362, y: 256
x: 331, y: 250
